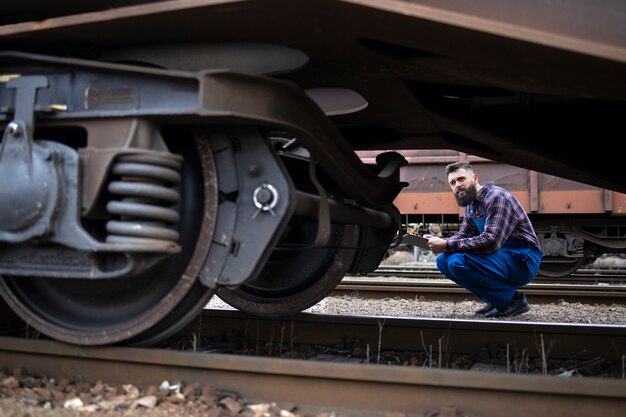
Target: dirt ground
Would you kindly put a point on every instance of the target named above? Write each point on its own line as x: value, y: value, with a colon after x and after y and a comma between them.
x: 23, y: 395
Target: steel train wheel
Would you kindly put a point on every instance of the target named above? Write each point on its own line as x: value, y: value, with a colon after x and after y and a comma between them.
x: 140, y: 309
x: 560, y: 269
x: 294, y: 280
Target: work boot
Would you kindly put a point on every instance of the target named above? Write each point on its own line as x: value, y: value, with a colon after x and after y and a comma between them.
x: 485, y: 309
x: 518, y: 305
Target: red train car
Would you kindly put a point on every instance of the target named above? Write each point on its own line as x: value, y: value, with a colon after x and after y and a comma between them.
x: 575, y: 222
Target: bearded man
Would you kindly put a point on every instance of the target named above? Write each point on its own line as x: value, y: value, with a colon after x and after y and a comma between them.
x: 496, y: 249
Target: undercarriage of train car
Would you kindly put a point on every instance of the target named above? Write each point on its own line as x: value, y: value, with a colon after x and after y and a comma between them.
x: 157, y: 153
x: 137, y: 193
x: 571, y: 243
x: 568, y: 243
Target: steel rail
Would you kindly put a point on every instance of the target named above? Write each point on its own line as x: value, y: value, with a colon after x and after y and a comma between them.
x: 580, y: 277
x: 433, y: 268
x: 584, y: 341
x: 536, y: 292
x: 349, y: 389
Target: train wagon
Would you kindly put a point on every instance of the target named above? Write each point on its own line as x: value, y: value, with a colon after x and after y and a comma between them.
x: 575, y: 222
x: 157, y: 153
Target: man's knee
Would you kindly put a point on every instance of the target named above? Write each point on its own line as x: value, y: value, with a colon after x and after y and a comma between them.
x: 456, y: 262
x: 442, y: 262
x: 450, y: 264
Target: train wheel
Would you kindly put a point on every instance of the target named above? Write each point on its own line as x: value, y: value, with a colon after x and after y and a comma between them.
x: 294, y: 280
x: 140, y: 309
x: 556, y: 269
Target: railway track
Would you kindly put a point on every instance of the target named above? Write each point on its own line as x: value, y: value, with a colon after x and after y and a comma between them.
x: 582, y: 276
x: 349, y: 388
x: 445, y: 290
x: 589, y: 286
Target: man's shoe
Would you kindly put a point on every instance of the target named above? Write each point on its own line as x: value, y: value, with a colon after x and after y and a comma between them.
x: 518, y: 305
x: 485, y: 309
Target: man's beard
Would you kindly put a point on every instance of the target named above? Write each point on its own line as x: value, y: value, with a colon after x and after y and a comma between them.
x: 468, y: 198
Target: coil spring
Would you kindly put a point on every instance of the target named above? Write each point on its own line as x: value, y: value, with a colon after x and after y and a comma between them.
x: 145, y: 184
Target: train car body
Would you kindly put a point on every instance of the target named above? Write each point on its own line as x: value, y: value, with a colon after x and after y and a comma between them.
x: 155, y: 153
x: 575, y: 222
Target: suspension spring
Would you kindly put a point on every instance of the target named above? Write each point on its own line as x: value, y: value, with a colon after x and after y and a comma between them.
x: 143, y: 215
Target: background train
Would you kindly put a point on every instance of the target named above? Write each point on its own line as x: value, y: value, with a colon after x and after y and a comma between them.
x: 157, y: 153
x: 576, y: 222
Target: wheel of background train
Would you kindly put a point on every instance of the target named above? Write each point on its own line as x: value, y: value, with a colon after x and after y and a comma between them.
x: 143, y: 308
x: 294, y: 280
x: 559, y: 269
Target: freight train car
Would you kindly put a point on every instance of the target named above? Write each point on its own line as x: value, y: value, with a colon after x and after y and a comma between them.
x: 156, y: 153
x: 575, y: 222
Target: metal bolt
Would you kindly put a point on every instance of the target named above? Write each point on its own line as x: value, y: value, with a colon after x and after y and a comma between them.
x: 255, y: 170
x: 14, y: 129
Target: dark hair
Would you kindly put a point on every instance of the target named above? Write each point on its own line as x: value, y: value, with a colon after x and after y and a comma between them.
x: 455, y: 166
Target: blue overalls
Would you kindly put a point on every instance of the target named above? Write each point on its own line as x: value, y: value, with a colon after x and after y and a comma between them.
x: 492, y: 277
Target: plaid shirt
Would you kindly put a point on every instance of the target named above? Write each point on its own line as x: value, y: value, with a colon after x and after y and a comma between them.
x: 505, y: 219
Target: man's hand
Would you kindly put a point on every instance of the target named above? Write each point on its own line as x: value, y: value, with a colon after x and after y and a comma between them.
x: 436, y: 244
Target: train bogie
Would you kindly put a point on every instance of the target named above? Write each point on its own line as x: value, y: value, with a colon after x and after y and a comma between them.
x: 131, y: 211
x: 161, y: 152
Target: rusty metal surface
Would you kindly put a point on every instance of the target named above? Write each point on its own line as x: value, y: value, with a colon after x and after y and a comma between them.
x: 572, y: 25
x: 429, y: 193
x: 408, y: 333
x: 569, y: 25
x: 28, y: 10
x: 353, y: 389
x: 402, y: 50
x: 222, y: 96
x: 238, y: 98
x: 440, y: 291
x: 610, y: 274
